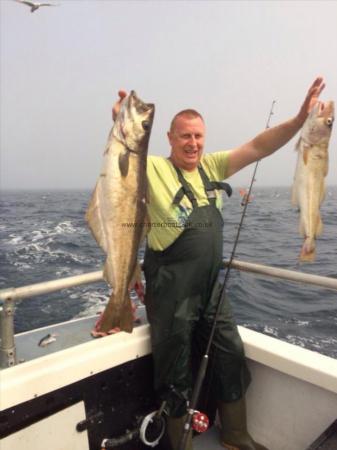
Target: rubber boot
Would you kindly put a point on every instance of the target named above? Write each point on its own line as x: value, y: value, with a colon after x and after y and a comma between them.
x: 234, y: 433
x: 173, y: 434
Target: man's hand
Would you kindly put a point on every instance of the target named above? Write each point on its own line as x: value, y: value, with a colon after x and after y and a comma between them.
x: 311, y: 99
x: 116, y: 107
x: 96, y: 331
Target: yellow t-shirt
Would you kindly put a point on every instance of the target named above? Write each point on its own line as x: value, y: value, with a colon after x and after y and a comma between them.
x: 167, y: 220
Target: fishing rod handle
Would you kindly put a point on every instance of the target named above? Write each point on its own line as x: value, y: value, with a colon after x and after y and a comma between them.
x: 186, y: 430
x: 198, y: 382
x: 195, y: 395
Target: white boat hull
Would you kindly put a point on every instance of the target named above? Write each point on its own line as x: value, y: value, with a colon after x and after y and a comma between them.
x: 291, y: 401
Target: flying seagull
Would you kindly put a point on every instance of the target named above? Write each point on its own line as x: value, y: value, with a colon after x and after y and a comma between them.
x: 34, y: 5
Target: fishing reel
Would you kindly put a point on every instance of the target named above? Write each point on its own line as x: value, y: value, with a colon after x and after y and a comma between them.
x: 196, y: 421
x: 153, y: 425
x: 200, y: 422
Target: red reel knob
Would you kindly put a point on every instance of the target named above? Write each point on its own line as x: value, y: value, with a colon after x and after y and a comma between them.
x: 200, y: 422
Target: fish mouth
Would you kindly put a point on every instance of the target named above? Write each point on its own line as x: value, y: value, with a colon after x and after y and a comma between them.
x: 141, y: 106
x: 328, y: 113
x: 325, y: 110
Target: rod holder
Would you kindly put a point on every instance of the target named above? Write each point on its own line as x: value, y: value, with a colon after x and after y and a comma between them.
x: 7, y: 344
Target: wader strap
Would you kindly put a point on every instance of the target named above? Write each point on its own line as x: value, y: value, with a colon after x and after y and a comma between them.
x: 184, y: 190
x: 210, y: 186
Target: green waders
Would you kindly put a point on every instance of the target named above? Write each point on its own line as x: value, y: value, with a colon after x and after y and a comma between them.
x: 182, y: 291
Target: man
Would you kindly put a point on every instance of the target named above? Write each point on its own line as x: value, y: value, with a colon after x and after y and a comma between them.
x: 182, y: 261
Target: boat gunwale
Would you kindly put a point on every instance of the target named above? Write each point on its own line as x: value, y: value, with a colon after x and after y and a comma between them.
x: 25, y: 381
x: 28, y: 380
x: 45, y: 287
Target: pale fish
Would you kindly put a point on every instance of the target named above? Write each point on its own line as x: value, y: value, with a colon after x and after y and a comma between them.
x: 117, y: 210
x: 46, y: 340
x: 308, y: 190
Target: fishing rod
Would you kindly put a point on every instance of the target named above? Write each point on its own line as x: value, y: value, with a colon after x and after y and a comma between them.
x: 204, y: 362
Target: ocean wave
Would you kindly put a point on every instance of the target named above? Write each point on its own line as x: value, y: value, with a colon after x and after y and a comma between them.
x: 15, y: 239
x: 43, y: 233
x: 39, y: 254
x: 43, y: 239
x: 94, y: 302
x: 65, y: 228
x: 313, y: 343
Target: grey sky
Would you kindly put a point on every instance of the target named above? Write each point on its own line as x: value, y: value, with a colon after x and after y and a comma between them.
x: 61, y: 69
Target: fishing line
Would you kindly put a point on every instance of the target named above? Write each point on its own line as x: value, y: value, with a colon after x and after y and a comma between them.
x: 204, y: 362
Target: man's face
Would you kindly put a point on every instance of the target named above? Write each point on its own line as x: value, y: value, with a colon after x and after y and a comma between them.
x: 187, y: 142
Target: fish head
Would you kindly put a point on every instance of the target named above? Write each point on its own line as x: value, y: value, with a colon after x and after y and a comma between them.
x: 134, y: 123
x: 318, y: 126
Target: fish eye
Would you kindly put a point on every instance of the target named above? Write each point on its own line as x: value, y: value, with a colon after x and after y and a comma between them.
x: 146, y: 125
x: 141, y: 108
x: 329, y: 121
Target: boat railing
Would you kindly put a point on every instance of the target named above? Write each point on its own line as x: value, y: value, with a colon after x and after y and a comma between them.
x: 9, y: 296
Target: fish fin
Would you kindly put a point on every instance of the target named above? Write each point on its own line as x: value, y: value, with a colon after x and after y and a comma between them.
x: 319, y: 226
x: 323, y: 193
x: 326, y: 169
x: 108, y: 272
x: 94, y: 219
x: 136, y: 276
x: 137, y: 282
x: 302, y: 227
x: 147, y: 196
x: 298, y: 144
x: 127, y: 318
x: 123, y: 163
x: 305, y: 155
x: 117, y: 315
x: 308, y: 252
x: 146, y: 228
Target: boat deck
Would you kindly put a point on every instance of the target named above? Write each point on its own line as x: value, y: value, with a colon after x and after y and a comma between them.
x: 208, y: 440
x: 327, y: 440
x: 67, y: 335
x: 287, y: 380
x: 76, y: 332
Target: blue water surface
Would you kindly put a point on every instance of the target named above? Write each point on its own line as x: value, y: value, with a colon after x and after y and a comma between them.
x: 43, y: 236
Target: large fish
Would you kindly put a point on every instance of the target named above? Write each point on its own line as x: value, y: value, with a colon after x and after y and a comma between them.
x: 312, y: 167
x: 117, y: 211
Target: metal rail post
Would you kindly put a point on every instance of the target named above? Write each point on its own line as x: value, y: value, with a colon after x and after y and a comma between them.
x: 7, y: 345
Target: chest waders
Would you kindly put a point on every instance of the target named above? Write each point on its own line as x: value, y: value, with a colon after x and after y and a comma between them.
x: 181, y: 298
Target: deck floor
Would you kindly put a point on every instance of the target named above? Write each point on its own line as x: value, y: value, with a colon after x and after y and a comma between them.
x: 327, y: 440
x: 208, y: 440
x: 67, y: 334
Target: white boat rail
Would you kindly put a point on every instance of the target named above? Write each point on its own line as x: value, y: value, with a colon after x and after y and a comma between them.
x: 10, y: 295
x: 46, y: 287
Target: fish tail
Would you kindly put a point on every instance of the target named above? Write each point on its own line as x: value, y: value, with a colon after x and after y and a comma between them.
x: 308, y: 252
x: 128, y: 317
x: 117, y: 316
x: 319, y: 225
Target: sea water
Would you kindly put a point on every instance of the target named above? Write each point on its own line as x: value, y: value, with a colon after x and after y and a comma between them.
x: 43, y: 236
